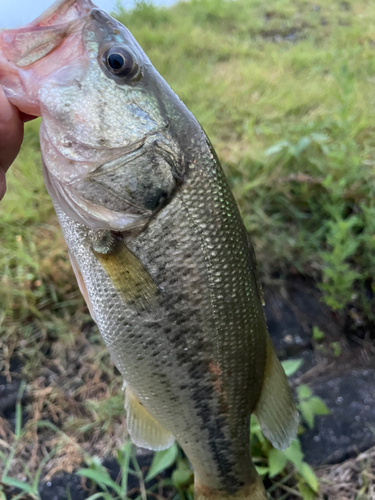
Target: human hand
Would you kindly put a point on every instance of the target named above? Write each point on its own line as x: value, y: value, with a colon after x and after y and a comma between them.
x: 11, y: 136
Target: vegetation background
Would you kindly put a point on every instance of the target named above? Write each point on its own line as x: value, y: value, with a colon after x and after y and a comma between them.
x: 286, y: 92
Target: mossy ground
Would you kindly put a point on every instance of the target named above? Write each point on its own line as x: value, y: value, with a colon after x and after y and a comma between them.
x: 286, y: 93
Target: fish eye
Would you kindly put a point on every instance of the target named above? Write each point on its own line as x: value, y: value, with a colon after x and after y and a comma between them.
x: 120, y: 62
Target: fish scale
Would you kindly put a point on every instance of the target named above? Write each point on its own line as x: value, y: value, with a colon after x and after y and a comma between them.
x: 220, y: 323
x: 156, y: 242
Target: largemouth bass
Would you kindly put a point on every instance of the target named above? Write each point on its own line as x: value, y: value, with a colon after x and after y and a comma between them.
x: 156, y: 242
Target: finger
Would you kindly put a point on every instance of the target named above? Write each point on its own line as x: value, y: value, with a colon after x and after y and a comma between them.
x: 11, y: 132
x: 3, y: 184
x: 11, y: 135
x: 27, y: 118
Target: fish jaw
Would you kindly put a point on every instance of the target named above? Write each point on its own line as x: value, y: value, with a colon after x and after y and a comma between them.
x: 63, y: 11
x: 24, y: 61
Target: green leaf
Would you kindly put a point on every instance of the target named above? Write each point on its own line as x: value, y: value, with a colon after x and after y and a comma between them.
x: 305, y: 490
x: 319, y: 138
x: 95, y: 496
x: 262, y: 471
x: 294, y: 454
x: 254, y: 425
x: 304, y: 392
x: 291, y: 366
x: 17, y: 431
x: 276, y: 148
x: 336, y: 347
x: 318, y: 335
x: 162, y: 460
x: 123, y: 457
x: 101, y: 478
x: 124, y: 454
x: 301, y: 145
x: 21, y: 496
x: 309, y: 476
x: 307, y: 413
x: 181, y: 477
x: 276, y: 462
x: 318, y: 406
x: 183, y: 474
x: 255, y: 430
x: 10, y: 481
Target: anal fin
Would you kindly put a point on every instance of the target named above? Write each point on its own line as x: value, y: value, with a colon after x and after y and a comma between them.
x: 144, y: 429
x: 275, y: 410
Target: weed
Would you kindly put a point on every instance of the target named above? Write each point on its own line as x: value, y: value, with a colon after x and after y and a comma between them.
x: 310, y: 405
x: 318, y: 335
x: 29, y: 485
x: 336, y: 349
x: 99, y: 475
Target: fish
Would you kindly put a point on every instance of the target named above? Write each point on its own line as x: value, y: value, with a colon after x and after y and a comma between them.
x: 156, y: 242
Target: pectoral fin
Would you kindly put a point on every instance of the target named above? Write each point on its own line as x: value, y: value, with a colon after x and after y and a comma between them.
x: 127, y: 273
x: 144, y: 430
x: 275, y: 410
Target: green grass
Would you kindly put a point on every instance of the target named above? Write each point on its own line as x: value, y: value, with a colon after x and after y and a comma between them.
x: 285, y: 467
x: 286, y: 93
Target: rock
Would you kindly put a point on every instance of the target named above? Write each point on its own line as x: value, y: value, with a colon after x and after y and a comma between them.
x: 68, y: 486
x: 349, y: 429
x: 63, y: 487
x: 8, y: 396
x: 9, y: 393
x: 288, y: 335
x: 292, y: 311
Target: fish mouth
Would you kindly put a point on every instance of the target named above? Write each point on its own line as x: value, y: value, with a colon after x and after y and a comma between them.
x: 25, y: 45
x: 56, y: 34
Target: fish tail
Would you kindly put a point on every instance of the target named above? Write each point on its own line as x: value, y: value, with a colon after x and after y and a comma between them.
x: 253, y: 491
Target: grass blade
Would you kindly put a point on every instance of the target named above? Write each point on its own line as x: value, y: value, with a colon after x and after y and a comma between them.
x: 162, y: 460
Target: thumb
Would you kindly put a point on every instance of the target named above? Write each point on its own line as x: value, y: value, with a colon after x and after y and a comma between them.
x: 11, y: 136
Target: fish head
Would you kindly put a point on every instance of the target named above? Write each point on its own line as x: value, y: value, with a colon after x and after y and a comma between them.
x: 110, y: 158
